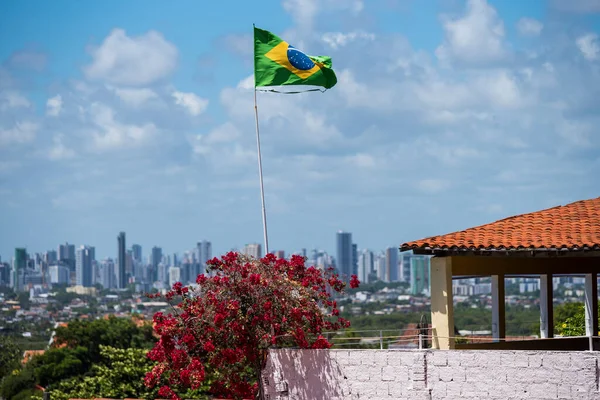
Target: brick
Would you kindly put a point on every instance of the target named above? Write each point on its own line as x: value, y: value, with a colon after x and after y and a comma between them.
x: 367, y: 357
x: 453, y: 389
x: 438, y: 358
x: 355, y: 358
x: 535, y: 360
x: 341, y: 356
x: 449, y: 374
x: 557, y: 360
x: 368, y: 389
x: 467, y: 358
x: 564, y: 390
x: 394, y: 359
x: 402, y: 373
x: 514, y: 360
x: 438, y: 390
x: 380, y: 357
x: 388, y: 373
x: 395, y: 389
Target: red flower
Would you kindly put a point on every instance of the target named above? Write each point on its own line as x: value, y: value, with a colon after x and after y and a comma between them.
x: 354, y: 282
x: 201, y: 279
x: 228, y: 323
x: 209, y: 347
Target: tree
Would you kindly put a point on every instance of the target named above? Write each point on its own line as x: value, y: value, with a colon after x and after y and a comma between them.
x: 115, y: 332
x: 10, y: 355
x: 58, y: 364
x: 15, y: 383
x: 221, y: 330
x: 118, y: 375
x: 571, y: 320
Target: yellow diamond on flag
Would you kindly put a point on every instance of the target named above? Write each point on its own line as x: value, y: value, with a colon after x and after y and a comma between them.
x: 293, y: 60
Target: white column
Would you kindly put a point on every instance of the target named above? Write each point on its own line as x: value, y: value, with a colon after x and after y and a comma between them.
x: 591, y: 304
x: 498, y: 307
x: 546, y: 307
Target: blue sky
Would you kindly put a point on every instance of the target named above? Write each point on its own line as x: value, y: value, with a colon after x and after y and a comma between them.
x: 137, y: 116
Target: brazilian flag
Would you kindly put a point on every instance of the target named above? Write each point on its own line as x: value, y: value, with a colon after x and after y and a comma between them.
x: 276, y: 63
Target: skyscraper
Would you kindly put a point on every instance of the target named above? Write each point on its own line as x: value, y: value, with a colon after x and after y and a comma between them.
x: 84, y: 259
x: 279, y: 254
x: 253, y: 250
x: 18, y: 271
x: 136, y: 249
x: 344, y: 259
x: 66, y: 255
x: 365, y: 265
x: 107, y: 274
x: 354, y: 258
x: 391, y: 264
x: 419, y: 275
x: 204, y: 253
x: 121, y: 261
x: 155, y: 259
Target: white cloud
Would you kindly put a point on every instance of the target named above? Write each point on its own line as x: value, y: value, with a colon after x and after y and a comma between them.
x: 502, y: 89
x: 59, y: 151
x: 477, y: 37
x: 529, y: 26
x: 339, y: 39
x: 114, y: 134
x: 139, y: 60
x: 135, y: 97
x: 304, y: 12
x: 22, y: 132
x: 54, y: 106
x: 11, y: 99
x: 589, y: 46
x: 194, y: 104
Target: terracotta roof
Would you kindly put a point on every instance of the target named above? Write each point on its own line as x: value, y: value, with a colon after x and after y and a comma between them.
x: 572, y: 227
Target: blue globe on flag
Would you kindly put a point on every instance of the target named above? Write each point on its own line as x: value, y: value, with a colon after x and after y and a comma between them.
x: 299, y: 60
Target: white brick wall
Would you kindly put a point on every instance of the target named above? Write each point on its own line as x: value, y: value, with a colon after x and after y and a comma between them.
x: 430, y: 374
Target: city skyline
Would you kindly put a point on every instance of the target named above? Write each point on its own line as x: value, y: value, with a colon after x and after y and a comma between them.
x: 139, y: 118
x: 202, y: 246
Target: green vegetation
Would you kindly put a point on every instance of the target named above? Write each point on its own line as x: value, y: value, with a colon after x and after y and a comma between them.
x: 570, y: 320
x: 118, y: 374
x: 10, y: 355
x: 82, y: 359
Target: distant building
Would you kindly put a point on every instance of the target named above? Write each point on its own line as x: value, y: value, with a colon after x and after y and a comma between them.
x: 354, y: 258
x: 66, y: 254
x: 18, y: 270
x: 419, y: 275
x: 59, y: 274
x: 405, y: 268
x: 155, y: 260
x: 253, y: 250
x: 380, y: 268
x: 279, y: 254
x: 203, y: 254
x: 365, y: 265
x: 391, y: 264
x: 107, y: 274
x: 121, y: 261
x: 174, y: 275
x: 4, y: 274
x: 136, y: 251
x: 344, y: 254
x: 84, y: 272
x: 50, y: 257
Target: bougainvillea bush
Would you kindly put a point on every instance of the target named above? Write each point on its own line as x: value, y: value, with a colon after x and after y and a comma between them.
x: 219, y: 331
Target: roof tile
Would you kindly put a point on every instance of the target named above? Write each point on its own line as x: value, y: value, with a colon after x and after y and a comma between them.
x: 572, y: 226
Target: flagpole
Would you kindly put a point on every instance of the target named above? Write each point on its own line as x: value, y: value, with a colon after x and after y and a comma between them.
x: 260, y: 175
